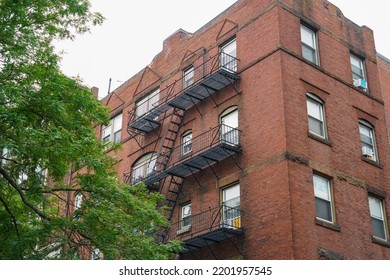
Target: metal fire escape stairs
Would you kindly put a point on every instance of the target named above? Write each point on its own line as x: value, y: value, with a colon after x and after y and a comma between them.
x: 172, y: 190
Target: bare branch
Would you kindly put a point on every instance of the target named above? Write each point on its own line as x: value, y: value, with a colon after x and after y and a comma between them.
x: 21, y: 194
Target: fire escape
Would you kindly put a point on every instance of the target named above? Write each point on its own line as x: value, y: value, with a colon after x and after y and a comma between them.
x: 167, y: 170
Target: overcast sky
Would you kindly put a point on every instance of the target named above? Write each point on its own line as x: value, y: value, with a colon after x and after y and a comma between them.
x: 134, y: 31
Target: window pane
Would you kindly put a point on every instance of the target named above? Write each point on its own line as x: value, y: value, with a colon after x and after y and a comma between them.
x: 375, y: 207
x: 118, y: 123
x: 366, y: 134
x: 188, y: 77
x: 231, y: 196
x: 228, y: 55
x: 154, y: 98
x: 323, y: 209
x: 321, y: 187
x: 314, y: 109
x: 308, y: 37
x: 309, y: 54
x: 378, y: 228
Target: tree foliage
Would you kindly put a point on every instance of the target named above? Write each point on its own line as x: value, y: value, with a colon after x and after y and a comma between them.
x: 46, y: 124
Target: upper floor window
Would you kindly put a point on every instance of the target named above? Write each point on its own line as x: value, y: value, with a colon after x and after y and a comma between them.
x: 229, y: 126
x: 228, y: 54
x: 309, y: 44
x: 316, y: 116
x: 378, y: 220
x: 147, y: 103
x: 185, y: 221
x: 323, y: 198
x: 367, y: 140
x: 358, y: 72
x: 143, y: 167
x: 186, y: 142
x: 188, y: 76
x: 231, y: 214
x: 112, y: 132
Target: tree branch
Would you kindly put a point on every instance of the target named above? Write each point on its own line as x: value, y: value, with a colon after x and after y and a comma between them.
x: 13, y: 219
x: 21, y: 194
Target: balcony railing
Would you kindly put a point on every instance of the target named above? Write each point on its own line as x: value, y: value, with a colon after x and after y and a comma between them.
x: 209, y: 77
x: 207, y: 148
x: 213, y: 225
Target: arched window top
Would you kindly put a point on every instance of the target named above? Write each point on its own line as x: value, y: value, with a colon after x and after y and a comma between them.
x: 314, y: 97
x: 366, y: 123
x: 229, y: 110
x: 143, y: 167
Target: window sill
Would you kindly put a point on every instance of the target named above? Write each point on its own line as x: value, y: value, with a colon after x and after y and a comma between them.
x: 380, y: 241
x: 328, y: 225
x: 320, y: 139
x: 372, y: 162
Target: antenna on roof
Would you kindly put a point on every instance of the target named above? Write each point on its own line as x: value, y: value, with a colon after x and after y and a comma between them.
x: 109, y: 86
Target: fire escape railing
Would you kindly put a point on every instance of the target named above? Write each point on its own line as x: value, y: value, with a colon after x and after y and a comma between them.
x: 180, y: 94
x: 220, y: 137
x: 214, y: 219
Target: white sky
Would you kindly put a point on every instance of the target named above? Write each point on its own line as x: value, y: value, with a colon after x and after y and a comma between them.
x: 134, y: 31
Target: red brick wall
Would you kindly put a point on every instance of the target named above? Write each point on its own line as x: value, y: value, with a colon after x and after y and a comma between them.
x: 279, y: 157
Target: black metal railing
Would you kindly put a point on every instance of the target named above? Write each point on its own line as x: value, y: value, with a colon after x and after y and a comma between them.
x: 220, y: 62
x: 221, y: 217
x: 221, y: 135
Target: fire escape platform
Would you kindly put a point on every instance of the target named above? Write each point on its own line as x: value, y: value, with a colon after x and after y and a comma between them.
x: 208, y: 238
x: 186, y: 98
x: 194, y: 163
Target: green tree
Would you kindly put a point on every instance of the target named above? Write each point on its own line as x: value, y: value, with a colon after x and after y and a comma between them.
x: 46, y: 127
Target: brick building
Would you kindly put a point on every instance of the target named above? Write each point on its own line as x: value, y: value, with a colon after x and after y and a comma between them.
x: 265, y: 130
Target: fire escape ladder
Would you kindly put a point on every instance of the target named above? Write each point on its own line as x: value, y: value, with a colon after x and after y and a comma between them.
x: 172, y: 193
x: 170, y: 136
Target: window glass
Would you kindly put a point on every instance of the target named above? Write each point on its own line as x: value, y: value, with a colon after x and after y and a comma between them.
x: 186, y: 143
x: 377, y: 217
x: 147, y: 103
x: 309, y: 44
x: 229, y: 128
x: 357, y: 68
x: 188, y: 77
x: 323, y: 198
x: 186, y: 215
x: 367, y: 140
x: 315, y: 110
x: 228, y: 56
x: 143, y: 167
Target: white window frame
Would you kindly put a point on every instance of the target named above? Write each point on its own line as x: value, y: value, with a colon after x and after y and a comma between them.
x: 185, y: 216
x: 228, y: 55
x: 78, y: 200
x: 188, y: 76
x: 358, y: 63
x: 369, y: 150
x: 310, y: 45
x: 186, y: 143
x: 378, y: 215
x: 229, y: 126
x: 113, y: 131
x: 147, y: 103
x: 321, y: 120
x: 143, y: 167
x: 231, y: 214
x: 324, y: 196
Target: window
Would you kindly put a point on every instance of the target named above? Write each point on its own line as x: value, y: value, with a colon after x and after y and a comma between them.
x: 323, y: 198
x: 367, y: 140
x: 309, y: 44
x: 185, y: 221
x: 143, y: 167
x: 316, y: 113
x: 231, y: 214
x: 96, y: 254
x: 147, y: 103
x: 188, y: 77
x: 78, y: 199
x: 358, y: 72
x: 228, y: 56
x: 186, y: 142
x: 229, y: 126
x: 112, y: 132
x: 378, y: 221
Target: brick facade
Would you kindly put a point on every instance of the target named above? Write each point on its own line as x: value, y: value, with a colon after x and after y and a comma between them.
x: 278, y: 155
